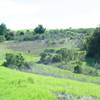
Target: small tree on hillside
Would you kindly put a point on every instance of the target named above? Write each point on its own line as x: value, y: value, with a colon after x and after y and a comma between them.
x: 21, y: 33
x: 39, y: 29
x: 3, y: 29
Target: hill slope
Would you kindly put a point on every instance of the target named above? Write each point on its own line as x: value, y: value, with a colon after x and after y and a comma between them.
x: 15, y: 85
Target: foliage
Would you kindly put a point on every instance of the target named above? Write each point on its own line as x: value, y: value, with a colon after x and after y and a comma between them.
x: 9, y: 35
x: 3, y: 29
x: 77, y: 68
x: 82, y: 68
x: 16, y: 60
x: 61, y: 55
x: 39, y: 29
x: 94, y: 44
x: 56, y: 58
x: 6, y: 33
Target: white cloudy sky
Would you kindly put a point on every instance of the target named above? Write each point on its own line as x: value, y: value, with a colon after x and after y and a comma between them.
x: 21, y: 14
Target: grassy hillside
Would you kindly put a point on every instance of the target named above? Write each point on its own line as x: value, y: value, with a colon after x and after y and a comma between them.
x: 15, y: 85
x: 41, y: 69
x: 52, y: 83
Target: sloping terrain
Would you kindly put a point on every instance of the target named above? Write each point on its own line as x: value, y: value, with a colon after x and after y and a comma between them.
x: 15, y: 85
x: 45, y: 82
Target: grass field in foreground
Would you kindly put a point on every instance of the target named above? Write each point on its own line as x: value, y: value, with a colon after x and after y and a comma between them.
x: 15, y: 85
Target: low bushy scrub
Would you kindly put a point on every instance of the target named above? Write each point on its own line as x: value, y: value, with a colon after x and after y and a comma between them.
x: 61, y: 55
x: 10, y: 36
x: 77, y: 68
x: 15, y: 61
x: 81, y: 67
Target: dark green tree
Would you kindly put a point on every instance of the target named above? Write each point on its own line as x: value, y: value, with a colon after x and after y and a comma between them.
x: 94, y: 44
x: 21, y: 33
x: 39, y: 29
x: 3, y: 29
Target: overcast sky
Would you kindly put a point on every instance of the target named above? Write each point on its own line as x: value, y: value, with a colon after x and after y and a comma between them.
x: 21, y: 14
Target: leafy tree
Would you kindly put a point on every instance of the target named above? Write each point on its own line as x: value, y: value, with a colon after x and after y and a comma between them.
x: 94, y: 44
x: 39, y: 29
x: 3, y: 29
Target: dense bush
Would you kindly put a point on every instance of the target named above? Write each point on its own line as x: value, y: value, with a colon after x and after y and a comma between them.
x: 60, y: 55
x: 77, y: 68
x: 50, y: 56
x: 69, y: 54
x: 57, y: 58
x: 43, y: 56
x: 14, y: 60
x: 81, y: 67
x: 9, y: 36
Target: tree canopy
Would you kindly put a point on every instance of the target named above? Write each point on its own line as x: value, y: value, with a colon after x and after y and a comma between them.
x: 94, y: 44
x: 39, y: 29
x: 3, y: 29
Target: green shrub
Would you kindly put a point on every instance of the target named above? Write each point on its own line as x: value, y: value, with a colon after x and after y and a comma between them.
x: 57, y: 58
x: 19, y: 60
x: 43, y: 56
x: 68, y: 54
x: 9, y: 36
x: 10, y: 58
x: 16, y: 60
x: 63, y: 54
x: 77, y: 69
